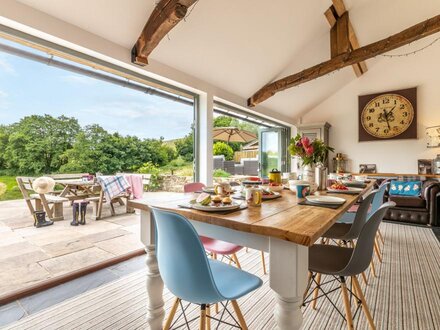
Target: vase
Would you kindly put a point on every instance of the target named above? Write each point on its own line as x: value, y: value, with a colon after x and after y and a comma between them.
x: 308, y: 173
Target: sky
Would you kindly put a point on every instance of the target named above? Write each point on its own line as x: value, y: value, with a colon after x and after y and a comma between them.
x: 28, y: 87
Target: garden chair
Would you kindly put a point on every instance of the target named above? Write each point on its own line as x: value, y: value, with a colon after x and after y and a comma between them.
x: 51, y: 204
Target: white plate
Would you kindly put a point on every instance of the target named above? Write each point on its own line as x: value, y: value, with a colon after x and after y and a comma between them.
x: 275, y: 195
x: 349, y: 189
x: 220, y: 208
x: 325, y: 200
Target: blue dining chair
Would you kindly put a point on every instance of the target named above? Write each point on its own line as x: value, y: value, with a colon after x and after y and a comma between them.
x: 348, y: 217
x: 377, y: 202
x: 191, y: 276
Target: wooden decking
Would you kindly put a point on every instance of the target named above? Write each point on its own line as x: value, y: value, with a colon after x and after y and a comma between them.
x: 405, y: 296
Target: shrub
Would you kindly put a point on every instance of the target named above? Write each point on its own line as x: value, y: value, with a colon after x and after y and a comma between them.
x: 150, y: 168
x: 222, y: 148
x: 219, y: 173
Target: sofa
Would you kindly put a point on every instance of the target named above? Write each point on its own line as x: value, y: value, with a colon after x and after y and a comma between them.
x: 421, y: 210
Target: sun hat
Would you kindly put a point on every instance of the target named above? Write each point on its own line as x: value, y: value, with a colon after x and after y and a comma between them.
x: 43, y: 185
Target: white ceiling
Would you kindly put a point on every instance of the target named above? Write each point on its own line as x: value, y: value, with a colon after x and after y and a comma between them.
x: 241, y: 45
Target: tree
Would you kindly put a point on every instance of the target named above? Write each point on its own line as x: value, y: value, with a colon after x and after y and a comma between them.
x: 222, y: 148
x: 185, y: 147
x: 36, y: 143
x: 223, y: 121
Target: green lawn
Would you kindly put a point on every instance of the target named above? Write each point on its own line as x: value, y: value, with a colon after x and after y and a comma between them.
x: 12, y: 191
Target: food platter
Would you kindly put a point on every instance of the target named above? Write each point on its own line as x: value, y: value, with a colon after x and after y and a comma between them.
x: 345, y: 191
x: 216, y: 208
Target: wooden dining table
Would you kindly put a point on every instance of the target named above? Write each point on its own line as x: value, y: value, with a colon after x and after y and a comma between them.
x: 281, y: 227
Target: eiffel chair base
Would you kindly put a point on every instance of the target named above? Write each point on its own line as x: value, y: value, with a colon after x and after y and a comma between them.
x: 205, y: 319
x: 316, y: 291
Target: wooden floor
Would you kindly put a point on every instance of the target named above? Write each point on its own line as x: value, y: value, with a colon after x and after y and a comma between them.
x: 405, y: 296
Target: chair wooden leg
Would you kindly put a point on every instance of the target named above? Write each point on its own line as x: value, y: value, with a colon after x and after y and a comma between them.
x: 240, y: 317
x: 234, y: 257
x: 373, y: 268
x: 364, y: 303
x: 377, y: 251
x: 208, y: 319
x: 172, y: 313
x: 216, y: 308
x: 316, y: 291
x: 380, y: 236
x: 202, y: 323
x: 263, y: 261
x: 364, y: 277
x: 348, y: 315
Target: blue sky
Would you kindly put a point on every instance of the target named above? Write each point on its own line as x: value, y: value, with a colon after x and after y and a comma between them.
x: 28, y: 87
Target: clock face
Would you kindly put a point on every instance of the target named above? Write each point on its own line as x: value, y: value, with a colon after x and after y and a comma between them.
x: 387, y: 116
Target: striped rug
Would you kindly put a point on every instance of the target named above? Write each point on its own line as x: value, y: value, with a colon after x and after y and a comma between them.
x: 406, y: 295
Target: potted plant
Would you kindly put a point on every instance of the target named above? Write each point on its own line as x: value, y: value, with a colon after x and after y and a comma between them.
x: 311, y: 153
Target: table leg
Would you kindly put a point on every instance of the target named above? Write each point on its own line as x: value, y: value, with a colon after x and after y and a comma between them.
x: 155, y: 304
x: 288, y: 278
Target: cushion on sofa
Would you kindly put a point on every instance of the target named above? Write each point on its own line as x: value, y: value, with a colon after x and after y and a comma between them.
x: 408, y: 201
x: 405, y: 188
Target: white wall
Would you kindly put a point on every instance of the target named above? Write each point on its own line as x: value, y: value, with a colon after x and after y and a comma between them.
x: 385, y: 74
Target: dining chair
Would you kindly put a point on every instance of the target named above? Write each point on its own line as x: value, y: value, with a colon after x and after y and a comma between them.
x: 192, y: 277
x: 377, y: 202
x: 217, y: 247
x: 342, y: 263
x: 347, y: 233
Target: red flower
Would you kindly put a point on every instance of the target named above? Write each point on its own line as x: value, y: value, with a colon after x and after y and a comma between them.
x: 309, y: 150
x: 305, y: 142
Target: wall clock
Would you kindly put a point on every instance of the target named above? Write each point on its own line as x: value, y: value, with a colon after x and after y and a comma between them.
x: 388, y: 115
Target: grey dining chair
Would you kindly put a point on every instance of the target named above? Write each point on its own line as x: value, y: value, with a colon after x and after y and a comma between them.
x: 343, y: 262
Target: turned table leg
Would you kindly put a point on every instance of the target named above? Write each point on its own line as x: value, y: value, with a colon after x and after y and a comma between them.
x: 288, y: 278
x: 155, y: 303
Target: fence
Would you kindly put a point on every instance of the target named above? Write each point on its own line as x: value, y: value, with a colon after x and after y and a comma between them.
x: 238, y: 155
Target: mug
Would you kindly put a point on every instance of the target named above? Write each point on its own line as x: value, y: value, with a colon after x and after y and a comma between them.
x: 302, y: 190
x: 222, y: 189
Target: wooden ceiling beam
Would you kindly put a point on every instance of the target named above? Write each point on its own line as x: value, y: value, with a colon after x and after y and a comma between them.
x: 165, y: 16
x: 397, y: 40
x: 332, y: 14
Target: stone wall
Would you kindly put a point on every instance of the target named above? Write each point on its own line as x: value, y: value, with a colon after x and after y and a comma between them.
x: 173, y: 183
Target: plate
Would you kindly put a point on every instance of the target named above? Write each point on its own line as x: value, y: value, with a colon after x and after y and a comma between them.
x: 325, y: 200
x: 272, y: 188
x: 275, y: 195
x: 220, y: 208
x: 349, y: 190
x: 211, y: 190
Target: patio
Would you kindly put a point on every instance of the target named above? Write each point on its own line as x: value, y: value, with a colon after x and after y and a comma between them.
x: 34, y: 255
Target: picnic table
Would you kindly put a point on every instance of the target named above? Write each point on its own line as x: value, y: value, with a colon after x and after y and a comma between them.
x: 91, y: 191
x: 77, y: 188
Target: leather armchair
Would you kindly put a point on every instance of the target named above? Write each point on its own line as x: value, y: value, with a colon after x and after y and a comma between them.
x: 422, y: 209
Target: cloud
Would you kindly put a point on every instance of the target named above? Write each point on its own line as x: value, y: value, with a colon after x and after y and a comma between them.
x: 76, y: 79
x: 6, y: 67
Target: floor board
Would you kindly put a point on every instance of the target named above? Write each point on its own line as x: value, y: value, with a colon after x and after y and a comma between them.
x: 404, y: 296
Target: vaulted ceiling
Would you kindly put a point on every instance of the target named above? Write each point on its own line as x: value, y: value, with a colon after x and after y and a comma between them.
x: 242, y: 45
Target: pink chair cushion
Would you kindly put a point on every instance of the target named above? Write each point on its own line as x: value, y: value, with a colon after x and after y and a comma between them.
x: 219, y: 247
x: 355, y: 208
x: 193, y: 187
